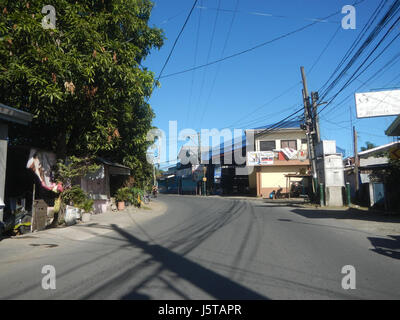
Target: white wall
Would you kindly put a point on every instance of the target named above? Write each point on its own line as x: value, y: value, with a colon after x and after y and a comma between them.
x: 283, y: 135
x: 272, y: 177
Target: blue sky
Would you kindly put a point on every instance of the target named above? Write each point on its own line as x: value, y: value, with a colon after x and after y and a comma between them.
x: 235, y: 93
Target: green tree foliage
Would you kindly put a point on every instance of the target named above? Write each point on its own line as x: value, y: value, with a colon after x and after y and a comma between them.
x: 83, y: 81
x: 73, y: 167
x: 368, y: 146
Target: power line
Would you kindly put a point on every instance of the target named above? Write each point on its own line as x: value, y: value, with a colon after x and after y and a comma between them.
x: 219, y: 65
x: 282, y: 122
x: 379, y: 73
x: 176, y: 41
x: 388, y: 16
x: 255, y: 47
x: 266, y: 14
x: 367, y: 25
x: 194, y: 63
x: 290, y: 88
x: 241, y: 121
x: 378, y: 28
x: 324, y: 50
x: 353, y: 75
x: 209, y: 53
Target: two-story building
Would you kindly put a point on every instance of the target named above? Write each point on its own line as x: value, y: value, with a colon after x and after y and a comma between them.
x: 280, y: 158
x: 273, y: 158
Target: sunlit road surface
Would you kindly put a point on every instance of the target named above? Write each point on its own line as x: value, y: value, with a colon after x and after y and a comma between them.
x: 213, y: 248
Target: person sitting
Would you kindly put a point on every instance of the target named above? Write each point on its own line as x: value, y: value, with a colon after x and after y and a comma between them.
x: 278, y: 193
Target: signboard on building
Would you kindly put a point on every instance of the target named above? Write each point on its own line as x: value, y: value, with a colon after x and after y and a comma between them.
x: 260, y: 158
x: 289, y: 153
x: 42, y: 163
x: 378, y: 104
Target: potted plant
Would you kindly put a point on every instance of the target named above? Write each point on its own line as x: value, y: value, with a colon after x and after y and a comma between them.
x: 121, y: 196
x: 87, y: 208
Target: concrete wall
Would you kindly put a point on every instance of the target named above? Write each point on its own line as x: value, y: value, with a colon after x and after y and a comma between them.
x: 253, y: 180
x: 271, y: 177
x: 97, y: 186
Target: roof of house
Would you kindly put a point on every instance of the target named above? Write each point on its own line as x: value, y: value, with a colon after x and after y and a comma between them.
x: 14, y: 115
x: 240, y: 143
x: 394, y: 128
x: 294, y: 124
x: 112, y: 164
x: 378, y: 149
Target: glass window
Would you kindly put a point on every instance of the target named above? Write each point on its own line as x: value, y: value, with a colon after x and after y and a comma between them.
x: 292, y: 144
x: 267, y: 145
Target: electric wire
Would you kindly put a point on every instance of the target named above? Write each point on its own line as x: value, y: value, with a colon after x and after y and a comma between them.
x: 255, y: 47
x: 378, y: 28
x: 208, y: 55
x: 219, y: 65
x: 175, y: 42
x: 189, y: 108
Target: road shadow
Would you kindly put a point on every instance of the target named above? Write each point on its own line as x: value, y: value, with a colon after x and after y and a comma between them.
x: 350, y: 213
x: 387, y: 247
x: 279, y: 205
x: 216, y: 285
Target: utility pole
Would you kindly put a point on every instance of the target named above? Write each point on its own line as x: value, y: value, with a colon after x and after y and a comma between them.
x: 308, y: 115
x: 204, y: 180
x: 154, y: 174
x: 355, y: 160
x: 314, y: 99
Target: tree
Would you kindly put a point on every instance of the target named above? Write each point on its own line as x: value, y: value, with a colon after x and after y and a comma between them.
x: 72, y: 168
x: 83, y: 81
x: 368, y: 146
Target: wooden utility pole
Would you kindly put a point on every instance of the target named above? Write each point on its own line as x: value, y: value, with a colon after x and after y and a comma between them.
x: 356, y: 179
x: 309, y: 126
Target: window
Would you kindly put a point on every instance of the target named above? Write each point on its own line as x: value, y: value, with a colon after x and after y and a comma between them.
x: 267, y: 145
x: 292, y: 144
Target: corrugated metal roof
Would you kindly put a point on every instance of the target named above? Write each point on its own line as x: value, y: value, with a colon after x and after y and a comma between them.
x: 238, y: 145
x: 377, y: 149
x: 109, y: 163
x: 14, y: 115
x: 394, y: 128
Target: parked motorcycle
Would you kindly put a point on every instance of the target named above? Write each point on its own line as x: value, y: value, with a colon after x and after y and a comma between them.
x: 19, y: 223
x: 146, y: 198
x: 278, y: 194
x: 154, y: 191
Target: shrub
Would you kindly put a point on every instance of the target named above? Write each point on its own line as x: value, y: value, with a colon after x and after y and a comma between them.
x: 136, y: 192
x: 123, y: 194
x: 77, y: 197
x: 73, y: 196
x: 87, y: 205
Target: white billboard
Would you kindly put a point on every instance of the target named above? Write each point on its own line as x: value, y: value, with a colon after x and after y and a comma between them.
x: 260, y: 158
x: 378, y: 104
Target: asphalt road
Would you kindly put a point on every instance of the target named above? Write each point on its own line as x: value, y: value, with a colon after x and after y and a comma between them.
x: 213, y: 248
